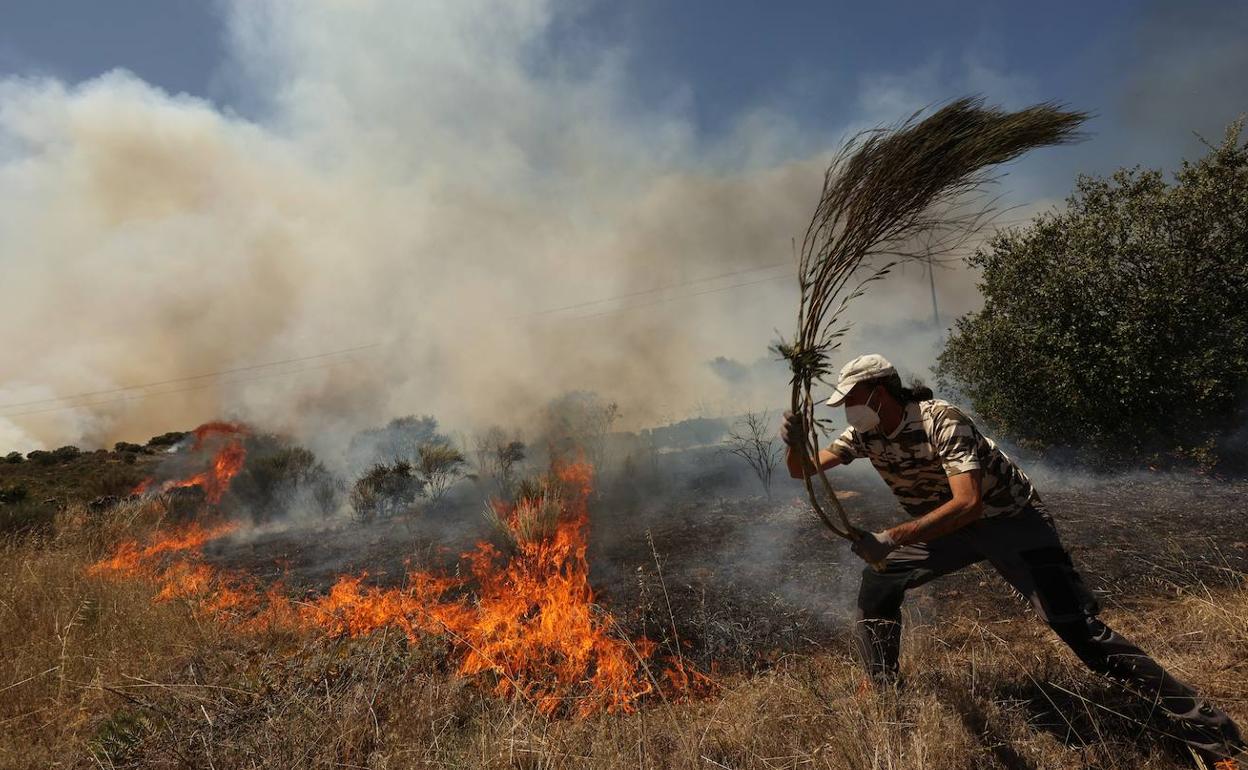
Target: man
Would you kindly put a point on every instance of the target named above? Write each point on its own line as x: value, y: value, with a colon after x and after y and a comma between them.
x: 970, y: 502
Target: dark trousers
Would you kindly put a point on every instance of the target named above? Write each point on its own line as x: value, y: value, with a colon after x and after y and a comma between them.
x: 1026, y: 551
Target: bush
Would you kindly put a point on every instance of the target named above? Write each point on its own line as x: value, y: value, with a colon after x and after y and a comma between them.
x: 277, y: 481
x: 66, y: 453
x: 13, y: 458
x: 114, y: 481
x: 126, y: 446
x: 400, y: 439
x: 41, y: 456
x: 577, y: 423
x: 439, y: 466
x: 14, y: 494
x: 386, y: 490
x: 167, y: 439
x: 1116, y: 328
x: 27, y: 516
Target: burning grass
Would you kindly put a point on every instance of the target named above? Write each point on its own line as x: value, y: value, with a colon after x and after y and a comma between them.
x: 125, y: 647
x: 102, y: 671
x: 524, y: 622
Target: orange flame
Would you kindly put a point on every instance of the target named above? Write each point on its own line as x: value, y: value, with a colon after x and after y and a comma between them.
x: 226, y: 463
x: 531, y: 625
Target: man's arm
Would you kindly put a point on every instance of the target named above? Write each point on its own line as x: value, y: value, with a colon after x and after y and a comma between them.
x: 800, y: 465
x: 966, y: 506
x: 793, y: 433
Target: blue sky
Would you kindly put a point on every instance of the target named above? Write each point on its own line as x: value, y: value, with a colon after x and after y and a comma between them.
x: 1152, y: 72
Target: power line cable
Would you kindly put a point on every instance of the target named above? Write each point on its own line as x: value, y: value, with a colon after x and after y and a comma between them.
x: 681, y: 296
x: 192, y: 378
x: 253, y: 367
x: 654, y: 290
x: 170, y: 392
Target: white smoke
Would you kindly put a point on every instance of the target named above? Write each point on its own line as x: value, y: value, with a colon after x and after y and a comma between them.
x: 421, y: 177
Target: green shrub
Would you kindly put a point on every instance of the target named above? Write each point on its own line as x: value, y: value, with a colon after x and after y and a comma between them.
x: 277, y: 479
x: 114, y: 481
x: 1115, y: 329
x: 13, y: 494
x: 27, y: 516
x: 439, y: 466
x: 13, y: 458
x: 385, y: 491
x: 167, y: 439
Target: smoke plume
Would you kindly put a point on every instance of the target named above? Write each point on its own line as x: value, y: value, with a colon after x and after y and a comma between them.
x: 418, y: 183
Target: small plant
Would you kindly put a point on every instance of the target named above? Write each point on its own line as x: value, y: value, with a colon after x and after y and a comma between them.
x: 385, y: 491
x: 166, y: 440
x: 41, y: 456
x: 533, y: 517
x: 439, y: 466
x: 66, y: 453
x: 498, y: 455
x: 276, y: 481
x: 752, y: 439
x: 13, y: 458
x: 14, y: 494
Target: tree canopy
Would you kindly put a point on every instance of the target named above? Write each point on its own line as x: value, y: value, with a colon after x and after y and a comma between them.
x: 1115, y: 329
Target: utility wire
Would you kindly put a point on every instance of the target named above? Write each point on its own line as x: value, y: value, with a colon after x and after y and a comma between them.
x: 654, y: 290
x: 192, y: 378
x: 680, y: 296
x: 534, y: 314
x: 203, y: 386
x: 253, y: 367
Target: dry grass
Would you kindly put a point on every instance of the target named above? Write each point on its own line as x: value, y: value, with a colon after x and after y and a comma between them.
x: 94, y: 674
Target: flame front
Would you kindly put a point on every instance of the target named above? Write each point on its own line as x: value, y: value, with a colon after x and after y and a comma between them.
x: 225, y: 464
x: 526, y: 621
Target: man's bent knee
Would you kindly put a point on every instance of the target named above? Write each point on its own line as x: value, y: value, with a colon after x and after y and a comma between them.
x: 880, y: 595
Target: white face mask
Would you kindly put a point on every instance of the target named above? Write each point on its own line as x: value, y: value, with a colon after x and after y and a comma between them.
x: 862, y: 416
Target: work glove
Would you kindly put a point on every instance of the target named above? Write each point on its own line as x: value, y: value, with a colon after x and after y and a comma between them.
x: 793, y: 430
x: 873, y: 547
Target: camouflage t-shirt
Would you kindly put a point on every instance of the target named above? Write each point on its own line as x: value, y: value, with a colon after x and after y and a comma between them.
x: 936, y: 440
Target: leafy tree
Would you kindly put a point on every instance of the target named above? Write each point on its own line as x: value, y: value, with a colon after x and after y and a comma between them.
x: 1115, y: 328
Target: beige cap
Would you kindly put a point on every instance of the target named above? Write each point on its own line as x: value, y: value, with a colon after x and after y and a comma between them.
x: 871, y: 366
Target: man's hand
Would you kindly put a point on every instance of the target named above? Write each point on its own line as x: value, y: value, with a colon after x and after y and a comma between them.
x: 873, y: 547
x: 793, y: 430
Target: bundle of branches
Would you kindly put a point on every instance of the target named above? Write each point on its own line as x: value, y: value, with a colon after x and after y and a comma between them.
x: 912, y: 191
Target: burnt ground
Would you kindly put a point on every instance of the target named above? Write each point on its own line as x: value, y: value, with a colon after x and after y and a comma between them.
x: 742, y: 579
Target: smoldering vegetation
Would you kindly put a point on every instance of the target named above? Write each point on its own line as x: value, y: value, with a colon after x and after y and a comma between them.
x: 686, y: 548
x: 688, y: 543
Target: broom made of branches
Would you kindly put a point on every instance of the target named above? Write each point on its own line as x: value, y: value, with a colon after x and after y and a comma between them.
x: 889, y: 195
